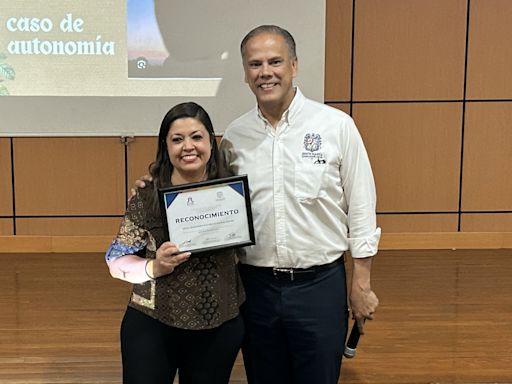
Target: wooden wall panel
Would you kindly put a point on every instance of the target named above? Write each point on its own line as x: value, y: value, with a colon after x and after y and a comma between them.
x: 487, y: 184
x: 68, y: 226
x: 69, y: 176
x: 490, y: 51
x: 491, y: 222
x: 408, y: 50
x: 141, y: 153
x: 5, y: 178
x: 415, y: 154
x: 6, y: 227
x: 339, y: 49
x: 345, y: 107
x: 418, y: 223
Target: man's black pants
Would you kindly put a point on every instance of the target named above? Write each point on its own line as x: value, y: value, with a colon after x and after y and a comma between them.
x: 295, y: 326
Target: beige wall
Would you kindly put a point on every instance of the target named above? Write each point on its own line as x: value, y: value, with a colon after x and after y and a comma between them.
x: 430, y: 93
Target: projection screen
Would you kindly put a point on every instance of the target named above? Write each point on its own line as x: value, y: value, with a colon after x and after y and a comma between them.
x: 115, y: 67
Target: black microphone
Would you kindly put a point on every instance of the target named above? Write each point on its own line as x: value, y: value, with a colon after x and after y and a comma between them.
x: 353, y: 339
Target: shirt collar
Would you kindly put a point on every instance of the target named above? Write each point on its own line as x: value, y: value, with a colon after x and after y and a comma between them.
x: 291, y: 112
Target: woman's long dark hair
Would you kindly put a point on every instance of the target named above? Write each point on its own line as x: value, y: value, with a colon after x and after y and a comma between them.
x: 161, y: 169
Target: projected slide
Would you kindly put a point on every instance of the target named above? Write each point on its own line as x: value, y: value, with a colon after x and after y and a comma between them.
x: 114, y: 67
x: 79, y: 48
x: 146, y: 50
x: 170, y: 39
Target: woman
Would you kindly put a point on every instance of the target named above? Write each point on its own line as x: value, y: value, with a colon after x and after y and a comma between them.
x: 183, y: 314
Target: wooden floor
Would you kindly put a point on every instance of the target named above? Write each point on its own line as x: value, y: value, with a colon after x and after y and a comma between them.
x: 445, y: 317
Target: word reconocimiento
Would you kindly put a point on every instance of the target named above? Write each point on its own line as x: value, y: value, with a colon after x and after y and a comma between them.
x: 204, y: 216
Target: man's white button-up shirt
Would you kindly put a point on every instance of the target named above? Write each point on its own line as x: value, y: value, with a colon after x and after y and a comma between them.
x: 311, y: 184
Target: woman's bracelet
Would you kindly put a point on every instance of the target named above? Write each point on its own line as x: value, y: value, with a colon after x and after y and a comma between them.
x: 146, y: 269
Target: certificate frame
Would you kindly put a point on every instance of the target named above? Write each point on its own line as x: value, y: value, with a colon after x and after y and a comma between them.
x: 208, y: 215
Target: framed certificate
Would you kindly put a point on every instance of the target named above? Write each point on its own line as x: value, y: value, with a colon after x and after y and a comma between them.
x: 209, y: 215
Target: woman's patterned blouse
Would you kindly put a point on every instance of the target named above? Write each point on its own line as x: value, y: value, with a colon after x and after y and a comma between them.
x: 203, y: 292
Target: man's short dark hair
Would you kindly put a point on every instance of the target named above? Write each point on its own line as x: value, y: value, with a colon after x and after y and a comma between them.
x: 288, y: 38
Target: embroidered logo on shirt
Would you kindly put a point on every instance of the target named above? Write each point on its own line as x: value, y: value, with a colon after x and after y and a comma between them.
x: 312, y: 144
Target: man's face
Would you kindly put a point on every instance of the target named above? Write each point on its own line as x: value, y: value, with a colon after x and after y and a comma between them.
x: 269, y: 70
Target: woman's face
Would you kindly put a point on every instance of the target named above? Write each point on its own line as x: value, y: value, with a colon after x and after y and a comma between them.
x: 189, y: 149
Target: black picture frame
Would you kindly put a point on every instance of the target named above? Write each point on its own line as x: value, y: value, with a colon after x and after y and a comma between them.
x: 204, y: 223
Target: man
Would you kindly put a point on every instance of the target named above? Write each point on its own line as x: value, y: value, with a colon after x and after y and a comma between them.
x: 313, y: 198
